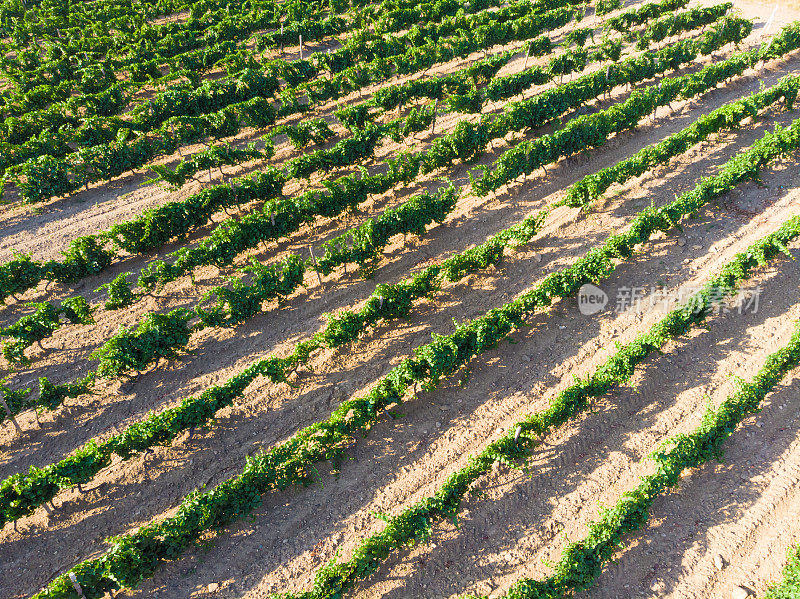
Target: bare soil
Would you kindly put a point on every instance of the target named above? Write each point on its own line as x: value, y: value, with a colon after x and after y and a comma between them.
x: 745, y: 510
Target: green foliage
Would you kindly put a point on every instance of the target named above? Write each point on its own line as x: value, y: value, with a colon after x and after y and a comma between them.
x: 642, y: 14
x: 363, y: 243
x: 603, y: 7
x: 32, y: 328
x: 290, y: 462
x: 215, y: 156
x: 240, y: 301
x: 729, y: 116
x: 43, y: 177
x: 357, y: 115
x: 302, y: 134
x: 19, y: 274
x: 594, y: 130
x: 77, y: 310
x: 118, y: 293
x: 789, y: 586
x: 16, y: 399
x: 136, y: 555
x: 157, y: 336
x: 579, y: 35
x: 569, y: 62
x: 84, y: 256
x: 582, y: 561
x: 418, y: 119
x: 51, y: 396
x: 28, y: 330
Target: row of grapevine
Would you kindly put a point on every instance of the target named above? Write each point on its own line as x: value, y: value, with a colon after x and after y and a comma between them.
x: 193, y: 100
x: 136, y: 555
x: 636, y: 16
x: 215, y: 156
x: 41, y: 170
x: 86, y: 256
x: 45, y: 319
x: 582, y: 561
x: 606, y: 6
x: 411, y: 216
x: 239, y: 301
x: 414, y: 524
x: 464, y: 144
x: 49, y: 106
x: 590, y: 131
x: 358, y: 246
x: 674, y: 23
x: 256, y: 80
x: 139, y: 48
x: 46, y: 176
x: 69, y: 143
x: 466, y: 98
x: 164, y: 335
x: 21, y: 494
x: 125, y: 561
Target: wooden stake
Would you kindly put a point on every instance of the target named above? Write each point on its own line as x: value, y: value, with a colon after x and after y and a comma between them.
x: 10, y: 416
x: 316, y: 268
x: 272, y: 217
x: 435, y: 110
x: 301, y: 47
x: 75, y: 585
x: 172, y: 132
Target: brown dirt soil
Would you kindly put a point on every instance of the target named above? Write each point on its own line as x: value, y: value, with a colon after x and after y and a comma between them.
x: 746, y: 509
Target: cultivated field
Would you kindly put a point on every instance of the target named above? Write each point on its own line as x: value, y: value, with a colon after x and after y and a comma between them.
x: 401, y: 299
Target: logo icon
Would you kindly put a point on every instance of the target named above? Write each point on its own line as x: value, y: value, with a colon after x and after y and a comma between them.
x: 591, y: 299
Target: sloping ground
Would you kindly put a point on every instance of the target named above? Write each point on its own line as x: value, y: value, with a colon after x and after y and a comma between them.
x: 743, y: 511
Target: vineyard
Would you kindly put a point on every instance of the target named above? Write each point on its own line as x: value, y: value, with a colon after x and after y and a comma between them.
x: 399, y: 298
